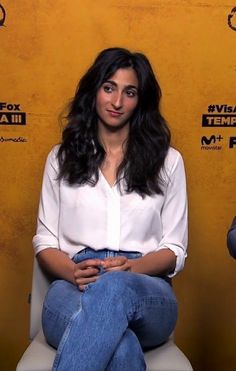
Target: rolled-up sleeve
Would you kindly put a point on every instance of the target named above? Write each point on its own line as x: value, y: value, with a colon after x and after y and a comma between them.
x: 48, y: 214
x: 175, y: 215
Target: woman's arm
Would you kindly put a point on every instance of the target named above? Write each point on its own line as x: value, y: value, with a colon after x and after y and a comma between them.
x: 49, y: 207
x: 174, y: 219
x: 57, y: 264
x: 155, y: 263
x: 46, y: 242
x: 170, y: 254
x: 160, y: 262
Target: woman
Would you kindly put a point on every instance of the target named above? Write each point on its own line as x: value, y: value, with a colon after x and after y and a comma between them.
x: 112, y: 224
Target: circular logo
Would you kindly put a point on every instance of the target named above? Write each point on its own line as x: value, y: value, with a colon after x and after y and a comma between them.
x: 232, y: 19
x: 2, y: 16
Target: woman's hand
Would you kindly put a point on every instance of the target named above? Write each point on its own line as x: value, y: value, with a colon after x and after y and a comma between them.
x: 118, y: 263
x: 86, y: 272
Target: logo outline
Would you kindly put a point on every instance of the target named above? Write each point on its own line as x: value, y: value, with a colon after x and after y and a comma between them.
x: 4, y: 15
x: 230, y: 16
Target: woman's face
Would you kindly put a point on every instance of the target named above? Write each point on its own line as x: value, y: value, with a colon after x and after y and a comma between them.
x: 117, y: 98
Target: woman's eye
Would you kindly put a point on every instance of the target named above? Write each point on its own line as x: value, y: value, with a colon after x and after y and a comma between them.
x: 131, y: 93
x: 107, y: 88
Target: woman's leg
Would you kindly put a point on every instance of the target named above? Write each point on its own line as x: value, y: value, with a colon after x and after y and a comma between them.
x: 63, y: 299
x: 118, y: 300
x: 128, y: 354
x: 61, y: 302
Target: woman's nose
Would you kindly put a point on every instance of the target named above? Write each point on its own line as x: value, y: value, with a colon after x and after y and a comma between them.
x: 117, y: 101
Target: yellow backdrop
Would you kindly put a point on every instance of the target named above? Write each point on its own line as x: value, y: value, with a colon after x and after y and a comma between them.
x: 45, y: 46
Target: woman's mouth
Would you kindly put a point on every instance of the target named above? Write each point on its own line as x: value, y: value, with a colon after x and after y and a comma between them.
x: 114, y: 113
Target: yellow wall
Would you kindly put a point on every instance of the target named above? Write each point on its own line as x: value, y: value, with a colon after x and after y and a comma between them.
x: 44, y: 48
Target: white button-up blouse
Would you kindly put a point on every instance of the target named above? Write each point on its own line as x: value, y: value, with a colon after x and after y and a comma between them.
x: 71, y: 218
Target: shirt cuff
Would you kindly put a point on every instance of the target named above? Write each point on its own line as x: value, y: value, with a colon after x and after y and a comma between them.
x: 180, y: 257
x: 41, y: 243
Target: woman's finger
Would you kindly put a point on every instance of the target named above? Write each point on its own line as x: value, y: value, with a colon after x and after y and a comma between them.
x: 114, y: 262
x: 89, y: 263
x: 85, y: 272
x: 86, y: 280
x: 123, y: 267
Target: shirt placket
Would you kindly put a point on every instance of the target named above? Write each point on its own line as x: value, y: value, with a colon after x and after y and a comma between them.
x: 113, y: 218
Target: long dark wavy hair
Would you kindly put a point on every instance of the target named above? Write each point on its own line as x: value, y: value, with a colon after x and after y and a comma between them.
x: 81, y: 154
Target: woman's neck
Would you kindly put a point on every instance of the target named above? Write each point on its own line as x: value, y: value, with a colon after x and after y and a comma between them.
x: 114, y: 144
x: 113, y: 141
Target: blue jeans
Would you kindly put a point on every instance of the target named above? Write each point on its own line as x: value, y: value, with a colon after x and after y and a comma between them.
x: 108, y: 326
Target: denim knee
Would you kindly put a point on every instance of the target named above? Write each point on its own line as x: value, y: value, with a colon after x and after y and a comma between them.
x: 110, y: 288
x: 113, y: 282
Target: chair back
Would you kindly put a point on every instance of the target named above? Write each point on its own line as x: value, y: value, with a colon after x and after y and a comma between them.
x: 40, y: 284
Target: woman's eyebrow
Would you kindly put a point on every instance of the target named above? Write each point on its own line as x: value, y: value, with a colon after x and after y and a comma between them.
x: 110, y: 82
x: 130, y: 86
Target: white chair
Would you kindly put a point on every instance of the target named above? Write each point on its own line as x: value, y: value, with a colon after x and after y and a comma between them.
x: 39, y: 355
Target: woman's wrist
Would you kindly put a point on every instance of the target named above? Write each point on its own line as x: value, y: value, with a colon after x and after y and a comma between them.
x: 135, y: 265
x: 160, y: 262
